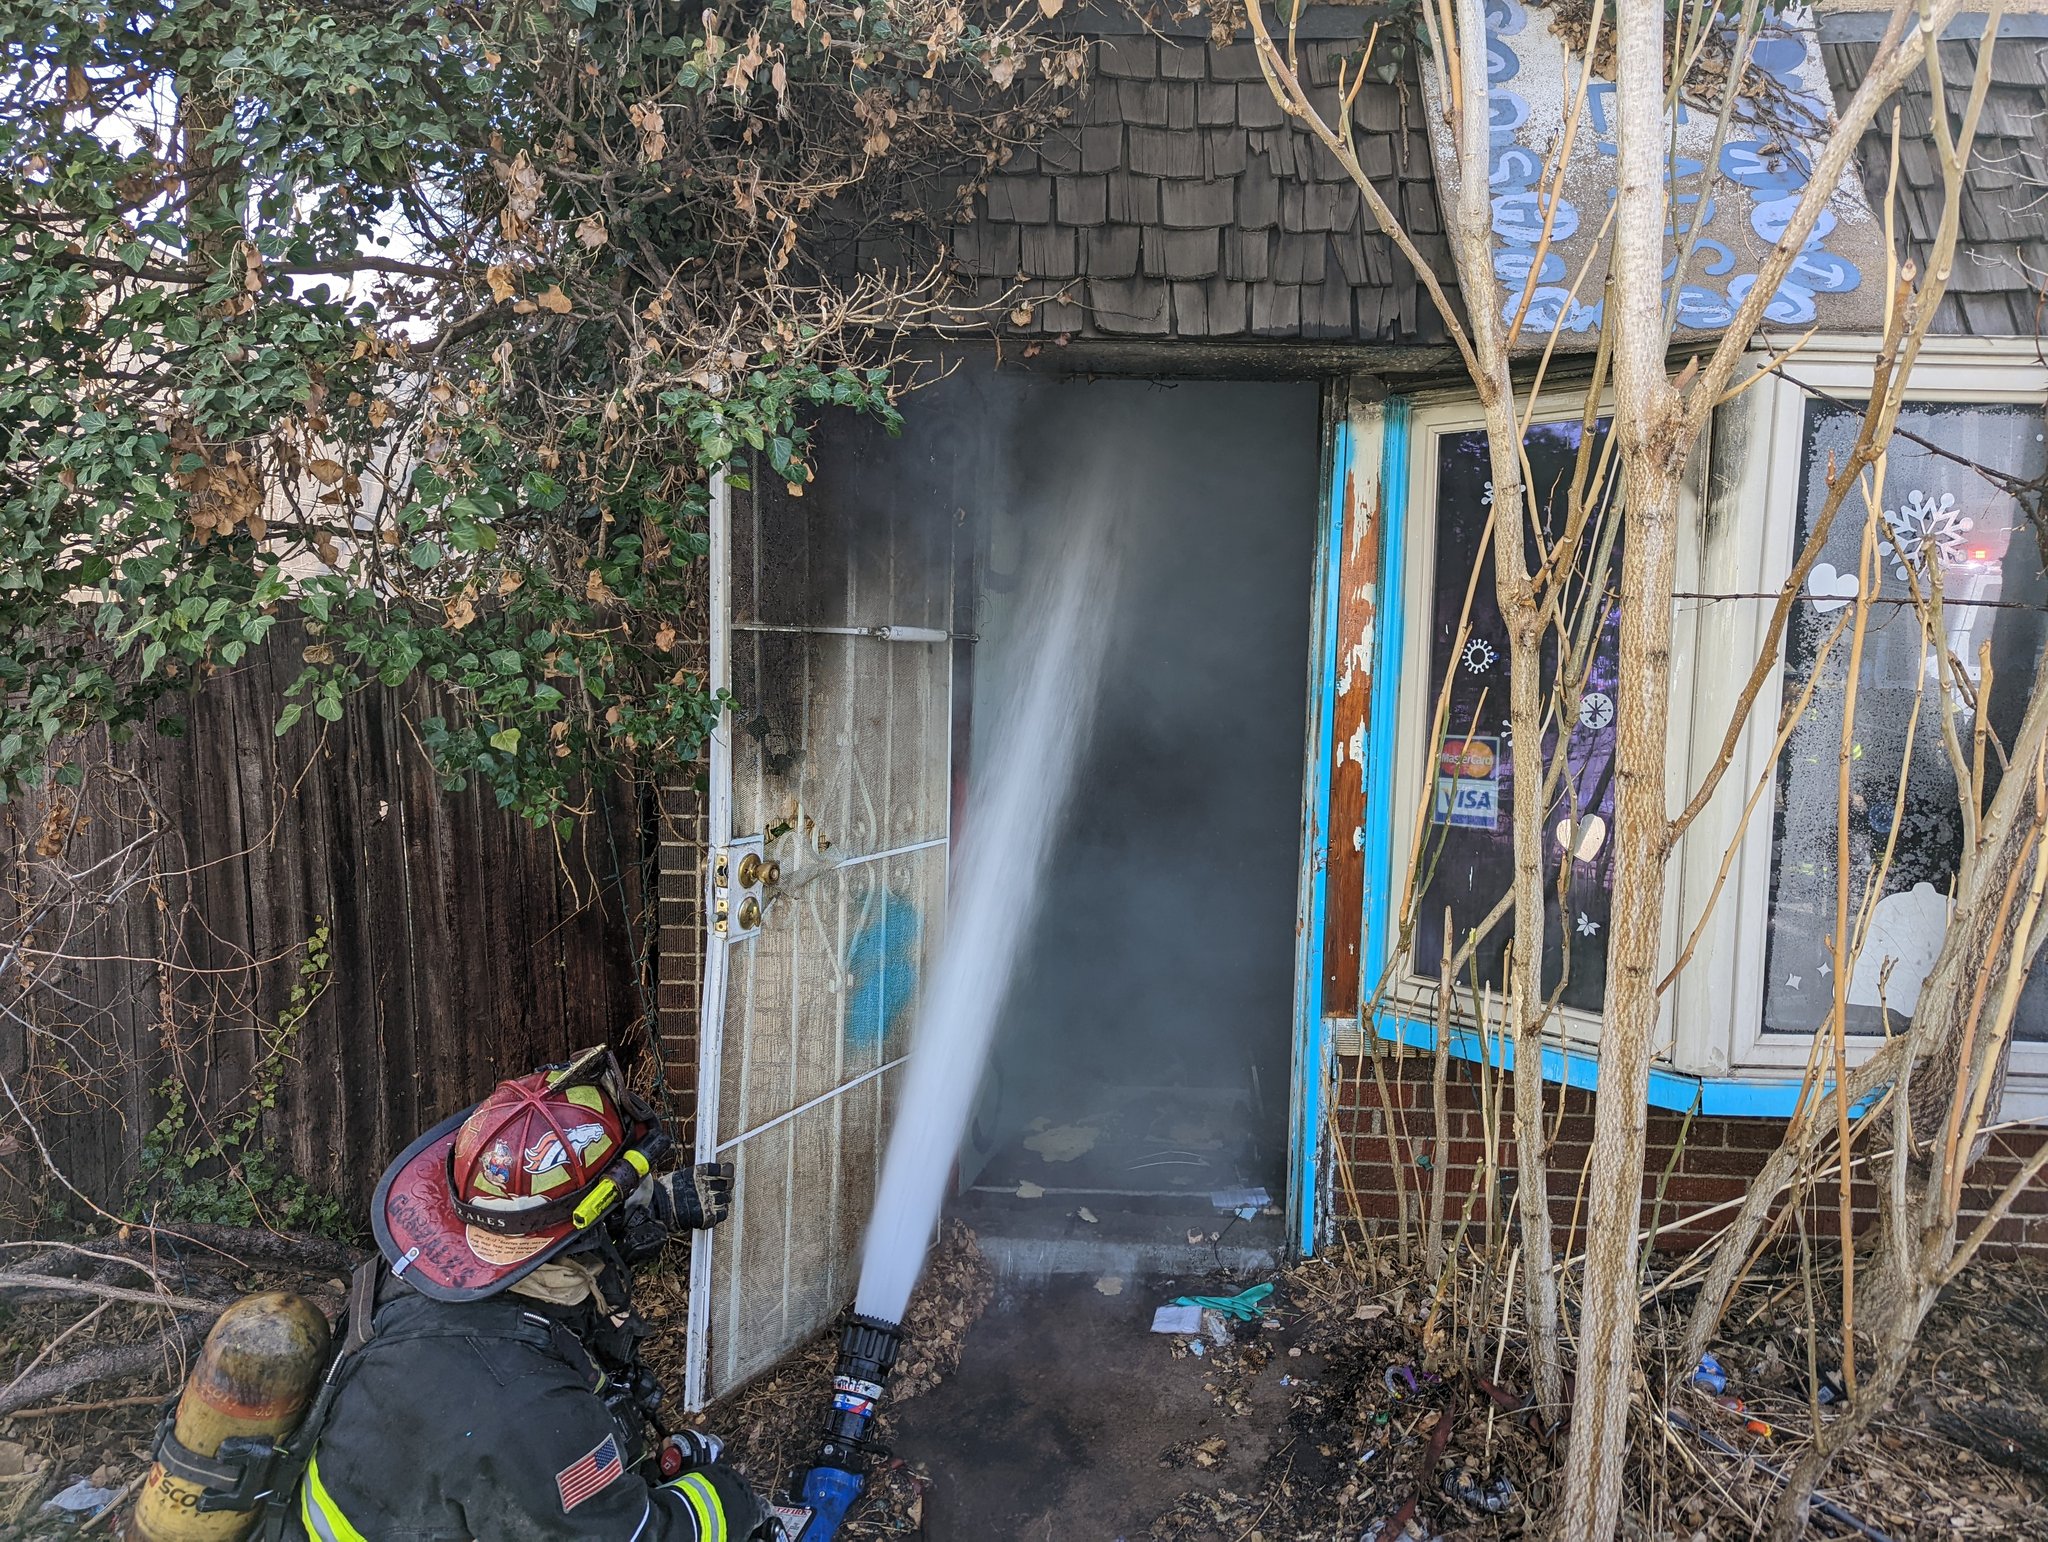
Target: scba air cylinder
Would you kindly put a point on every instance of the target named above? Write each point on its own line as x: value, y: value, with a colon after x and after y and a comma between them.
x: 254, y: 1377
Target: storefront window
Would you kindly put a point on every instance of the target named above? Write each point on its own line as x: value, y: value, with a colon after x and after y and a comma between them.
x: 1938, y: 514
x: 1467, y: 842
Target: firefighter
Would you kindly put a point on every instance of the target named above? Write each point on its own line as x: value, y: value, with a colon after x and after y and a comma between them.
x: 496, y: 1393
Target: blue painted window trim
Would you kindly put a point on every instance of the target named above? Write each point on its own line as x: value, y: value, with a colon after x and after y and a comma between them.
x: 1712, y: 1096
x: 1313, y: 1052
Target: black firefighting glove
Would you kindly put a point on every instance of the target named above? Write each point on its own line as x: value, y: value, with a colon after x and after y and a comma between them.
x: 693, y: 1198
x: 723, y: 1505
x: 686, y: 1450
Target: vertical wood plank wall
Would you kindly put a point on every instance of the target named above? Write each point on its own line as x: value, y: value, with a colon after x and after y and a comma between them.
x: 465, y: 945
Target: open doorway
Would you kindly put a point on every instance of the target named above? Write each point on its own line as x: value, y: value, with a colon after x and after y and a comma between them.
x: 1139, y: 1090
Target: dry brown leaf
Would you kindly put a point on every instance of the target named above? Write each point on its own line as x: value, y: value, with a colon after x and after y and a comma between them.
x: 326, y: 472
x: 56, y: 830
x: 552, y: 299
x: 503, y: 286
x: 461, y: 611
x: 648, y: 124
x: 523, y: 187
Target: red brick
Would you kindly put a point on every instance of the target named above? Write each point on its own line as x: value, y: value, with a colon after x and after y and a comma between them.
x: 1752, y: 1134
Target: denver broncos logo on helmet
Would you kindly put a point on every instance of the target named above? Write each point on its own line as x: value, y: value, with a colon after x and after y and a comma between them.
x: 546, y: 1154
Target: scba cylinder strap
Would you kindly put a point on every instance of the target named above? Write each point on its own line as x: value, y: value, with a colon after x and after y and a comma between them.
x: 239, y: 1476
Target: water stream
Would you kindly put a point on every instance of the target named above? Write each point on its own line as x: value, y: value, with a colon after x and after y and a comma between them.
x: 1019, y: 784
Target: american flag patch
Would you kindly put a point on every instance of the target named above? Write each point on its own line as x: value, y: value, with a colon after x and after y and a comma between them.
x: 585, y: 1476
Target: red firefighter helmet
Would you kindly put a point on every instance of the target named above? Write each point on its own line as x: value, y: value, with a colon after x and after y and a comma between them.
x: 490, y: 1194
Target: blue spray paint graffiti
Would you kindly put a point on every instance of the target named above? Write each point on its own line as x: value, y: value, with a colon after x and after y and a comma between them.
x: 1767, y: 161
x: 881, y: 970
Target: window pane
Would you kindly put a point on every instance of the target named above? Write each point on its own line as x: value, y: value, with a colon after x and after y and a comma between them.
x: 1937, y: 511
x: 1467, y: 851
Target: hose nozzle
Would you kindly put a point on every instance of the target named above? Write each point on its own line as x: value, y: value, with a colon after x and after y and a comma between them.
x: 867, y: 1352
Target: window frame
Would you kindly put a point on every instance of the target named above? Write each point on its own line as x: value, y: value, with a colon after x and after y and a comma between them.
x: 1755, y: 460
x: 1432, y: 417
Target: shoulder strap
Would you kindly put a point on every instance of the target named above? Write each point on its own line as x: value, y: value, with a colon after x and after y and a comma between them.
x: 362, y: 1305
x: 295, y: 1450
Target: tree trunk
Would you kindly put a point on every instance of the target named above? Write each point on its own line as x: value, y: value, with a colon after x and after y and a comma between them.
x: 1652, y: 460
x: 1471, y: 241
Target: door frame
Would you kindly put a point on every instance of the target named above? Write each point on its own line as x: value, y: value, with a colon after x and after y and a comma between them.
x: 1313, y: 1052
x: 717, y: 949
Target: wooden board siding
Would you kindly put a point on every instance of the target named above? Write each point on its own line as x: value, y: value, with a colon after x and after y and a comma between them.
x: 465, y: 945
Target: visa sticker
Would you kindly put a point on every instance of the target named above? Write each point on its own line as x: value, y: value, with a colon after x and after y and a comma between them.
x: 1468, y: 784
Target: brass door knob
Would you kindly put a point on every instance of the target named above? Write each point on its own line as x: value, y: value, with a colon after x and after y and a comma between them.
x: 750, y: 913
x: 750, y: 870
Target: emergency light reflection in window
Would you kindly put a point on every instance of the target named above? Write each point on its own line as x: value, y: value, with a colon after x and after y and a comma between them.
x: 1934, y: 512
x: 1466, y: 850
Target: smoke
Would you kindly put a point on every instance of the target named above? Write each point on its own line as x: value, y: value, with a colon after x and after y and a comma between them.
x: 1164, y: 955
x: 1124, y: 887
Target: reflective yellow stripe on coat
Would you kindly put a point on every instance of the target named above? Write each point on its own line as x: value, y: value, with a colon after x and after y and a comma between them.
x: 702, y: 1499
x: 322, y: 1516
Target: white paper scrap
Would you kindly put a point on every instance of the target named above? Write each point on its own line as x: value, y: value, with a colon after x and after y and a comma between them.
x: 1238, y: 1199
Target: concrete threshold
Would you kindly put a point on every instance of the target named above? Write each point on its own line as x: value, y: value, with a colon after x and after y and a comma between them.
x: 1037, y: 1260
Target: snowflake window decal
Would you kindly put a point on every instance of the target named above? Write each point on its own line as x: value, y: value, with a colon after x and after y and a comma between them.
x: 1929, y: 528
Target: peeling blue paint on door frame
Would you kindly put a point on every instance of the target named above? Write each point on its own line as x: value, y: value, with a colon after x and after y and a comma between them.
x: 1312, y: 1049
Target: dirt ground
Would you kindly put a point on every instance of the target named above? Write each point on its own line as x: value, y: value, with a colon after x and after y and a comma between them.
x: 1057, y: 1413
x: 1069, y: 1419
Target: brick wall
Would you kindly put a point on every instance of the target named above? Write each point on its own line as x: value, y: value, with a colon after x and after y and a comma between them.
x: 679, y: 942
x: 682, y: 832
x: 1715, y: 1159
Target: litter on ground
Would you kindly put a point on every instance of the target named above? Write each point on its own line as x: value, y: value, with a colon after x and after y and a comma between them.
x: 1063, y: 1142
x: 1243, y: 1306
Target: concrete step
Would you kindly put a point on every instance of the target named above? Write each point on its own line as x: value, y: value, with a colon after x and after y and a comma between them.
x: 1029, y: 1242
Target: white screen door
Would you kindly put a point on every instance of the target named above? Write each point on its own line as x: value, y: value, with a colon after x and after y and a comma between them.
x: 835, y: 612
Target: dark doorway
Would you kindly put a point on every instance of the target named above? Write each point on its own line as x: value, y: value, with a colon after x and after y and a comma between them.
x: 1141, y: 1078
